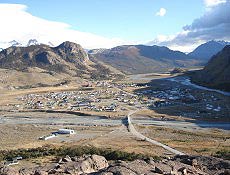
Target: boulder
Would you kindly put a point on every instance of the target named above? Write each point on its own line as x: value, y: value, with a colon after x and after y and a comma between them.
x: 40, y: 172
x: 6, y: 170
x: 162, y: 168
x: 120, y: 170
x: 67, y: 159
x: 93, y: 164
x: 25, y: 171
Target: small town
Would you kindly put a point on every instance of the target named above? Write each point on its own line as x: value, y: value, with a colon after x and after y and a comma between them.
x: 85, y: 100
x: 110, y: 97
x: 115, y: 87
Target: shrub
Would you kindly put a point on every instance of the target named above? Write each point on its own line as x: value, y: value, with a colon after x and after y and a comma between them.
x: 224, y: 154
x: 109, y: 154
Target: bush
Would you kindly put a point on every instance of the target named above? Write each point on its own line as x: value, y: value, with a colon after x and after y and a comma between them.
x: 109, y: 154
x: 224, y: 154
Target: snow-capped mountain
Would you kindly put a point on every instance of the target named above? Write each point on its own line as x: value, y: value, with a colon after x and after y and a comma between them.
x: 207, y: 50
x: 32, y: 42
x: 15, y: 43
x: 4, y: 45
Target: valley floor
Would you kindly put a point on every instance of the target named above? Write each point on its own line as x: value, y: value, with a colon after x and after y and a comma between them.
x: 191, y: 120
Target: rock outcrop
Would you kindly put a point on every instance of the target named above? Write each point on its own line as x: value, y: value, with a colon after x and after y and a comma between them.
x: 98, y: 165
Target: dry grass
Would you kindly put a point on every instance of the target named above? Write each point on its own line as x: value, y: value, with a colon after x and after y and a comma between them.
x: 13, y: 78
x: 204, y: 143
x: 21, y: 136
x: 123, y: 140
x: 152, y: 114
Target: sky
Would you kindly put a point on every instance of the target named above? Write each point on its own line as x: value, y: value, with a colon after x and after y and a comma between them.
x: 178, y: 24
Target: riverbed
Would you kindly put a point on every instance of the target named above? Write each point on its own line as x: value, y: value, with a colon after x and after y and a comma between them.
x: 186, y: 81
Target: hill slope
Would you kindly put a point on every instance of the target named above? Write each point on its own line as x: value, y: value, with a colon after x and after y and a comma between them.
x: 40, y: 65
x: 69, y: 58
x: 207, y: 50
x: 143, y: 59
x: 216, y: 73
x: 65, y: 57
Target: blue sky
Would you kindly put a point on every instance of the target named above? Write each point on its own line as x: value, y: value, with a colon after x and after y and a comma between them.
x: 126, y: 19
x: 107, y: 23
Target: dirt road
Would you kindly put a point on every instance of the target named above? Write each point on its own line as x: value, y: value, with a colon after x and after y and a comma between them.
x: 139, y: 135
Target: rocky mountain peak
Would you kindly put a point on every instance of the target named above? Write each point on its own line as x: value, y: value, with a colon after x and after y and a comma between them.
x: 14, y: 43
x: 69, y: 46
x: 71, y: 51
x: 43, y: 56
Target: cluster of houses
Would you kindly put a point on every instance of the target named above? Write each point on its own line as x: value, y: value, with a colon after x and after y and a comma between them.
x: 107, y: 99
x: 159, y: 98
x: 179, y: 96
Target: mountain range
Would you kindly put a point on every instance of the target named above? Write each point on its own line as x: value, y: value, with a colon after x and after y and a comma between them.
x: 15, y: 43
x: 130, y: 59
x: 133, y: 59
x: 143, y: 59
x: 69, y: 58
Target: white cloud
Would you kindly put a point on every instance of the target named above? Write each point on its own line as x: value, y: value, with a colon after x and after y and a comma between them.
x: 213, y: 25
x: 161, y: 12
x: 17, y: 24
x: 211, y: 3
x: 161, y: 38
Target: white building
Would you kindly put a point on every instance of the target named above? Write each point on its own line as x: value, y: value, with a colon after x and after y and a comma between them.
x: 66, y: 131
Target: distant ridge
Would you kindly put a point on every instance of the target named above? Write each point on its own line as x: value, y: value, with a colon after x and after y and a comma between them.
x: 143, y: 59
x: 130, y: 59
x: 207, y: 50
x: 15, y: 43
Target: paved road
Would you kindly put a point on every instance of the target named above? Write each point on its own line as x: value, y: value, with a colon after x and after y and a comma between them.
x: 139, y: 135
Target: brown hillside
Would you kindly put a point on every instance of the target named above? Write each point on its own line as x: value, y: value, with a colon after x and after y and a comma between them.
x: 216, y: 74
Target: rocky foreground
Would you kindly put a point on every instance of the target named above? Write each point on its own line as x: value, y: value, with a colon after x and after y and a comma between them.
x: 98, y: 165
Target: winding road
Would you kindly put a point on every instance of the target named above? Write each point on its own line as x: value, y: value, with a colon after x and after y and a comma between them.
x: 132, y: 129
x: 141, y: 136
